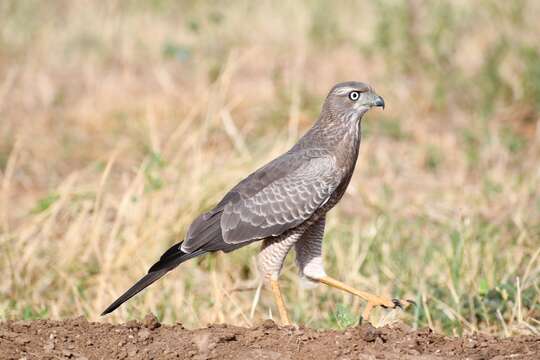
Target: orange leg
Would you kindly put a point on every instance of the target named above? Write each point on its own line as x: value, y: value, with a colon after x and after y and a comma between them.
x: 372, y: 300
x: 279, y: 302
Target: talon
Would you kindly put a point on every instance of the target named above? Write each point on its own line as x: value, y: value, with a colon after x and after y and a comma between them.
x: 397, y: 303
x: 412, y: 302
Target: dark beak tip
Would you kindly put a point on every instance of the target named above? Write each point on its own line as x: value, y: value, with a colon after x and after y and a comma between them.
x: 379, y: 101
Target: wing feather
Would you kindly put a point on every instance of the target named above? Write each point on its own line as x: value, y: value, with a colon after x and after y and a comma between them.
x: 273, y: 199
x: 281, y: 205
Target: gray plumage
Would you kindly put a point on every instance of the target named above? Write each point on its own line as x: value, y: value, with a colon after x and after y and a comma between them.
x: 284, y: 202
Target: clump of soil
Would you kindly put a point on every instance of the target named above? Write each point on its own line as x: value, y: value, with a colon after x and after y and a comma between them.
x: 80, y: 339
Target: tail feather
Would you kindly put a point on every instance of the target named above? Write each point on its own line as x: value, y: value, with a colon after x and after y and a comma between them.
x: 140, y: 285
x: 173, y: 257
x: 204, y: 236
x: 203, y: 232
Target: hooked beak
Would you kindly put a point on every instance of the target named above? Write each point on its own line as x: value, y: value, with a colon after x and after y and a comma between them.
x: 378, y: 101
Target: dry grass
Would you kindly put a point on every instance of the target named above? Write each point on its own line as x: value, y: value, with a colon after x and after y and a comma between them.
x: 121, y: 122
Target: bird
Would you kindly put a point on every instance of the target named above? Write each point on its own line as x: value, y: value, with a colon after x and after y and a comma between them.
x: 283, y: 204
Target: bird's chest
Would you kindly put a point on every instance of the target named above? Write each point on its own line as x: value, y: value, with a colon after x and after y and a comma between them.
x: 346, y: 156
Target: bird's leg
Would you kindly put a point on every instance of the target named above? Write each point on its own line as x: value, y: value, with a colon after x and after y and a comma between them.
x: 372, y: 300
x: 279, y: 302
x: 270, y: 261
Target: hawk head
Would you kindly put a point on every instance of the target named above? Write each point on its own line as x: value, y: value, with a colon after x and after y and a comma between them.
x: 351, y: 100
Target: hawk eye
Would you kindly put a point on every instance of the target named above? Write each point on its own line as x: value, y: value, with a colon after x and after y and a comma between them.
x: 354, y: 95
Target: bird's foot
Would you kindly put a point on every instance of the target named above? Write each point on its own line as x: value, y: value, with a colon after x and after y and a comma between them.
x: 375, y: 301
x: 372, y: 300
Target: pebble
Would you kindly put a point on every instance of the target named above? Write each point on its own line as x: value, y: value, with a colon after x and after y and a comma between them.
x: 49, y: 347
x: 144, y: 334
x: 151, y: 322
x: 269, y: 324
x: 132, y: 324
x: 227, y: 338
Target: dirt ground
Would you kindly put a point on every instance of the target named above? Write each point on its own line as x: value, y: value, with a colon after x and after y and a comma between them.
x: 80, y: 339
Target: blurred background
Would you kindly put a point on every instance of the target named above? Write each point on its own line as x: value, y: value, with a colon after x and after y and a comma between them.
x: 121, y: 121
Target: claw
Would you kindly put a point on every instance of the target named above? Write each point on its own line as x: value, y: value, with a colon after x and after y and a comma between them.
x: 412, y: 302
x: 396, y: 303
x: 399, y: 304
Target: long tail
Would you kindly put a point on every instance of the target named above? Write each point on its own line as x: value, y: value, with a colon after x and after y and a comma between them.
x: 168, y: 261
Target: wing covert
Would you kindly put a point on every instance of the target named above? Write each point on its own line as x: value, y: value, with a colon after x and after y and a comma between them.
x: 281, y: 205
